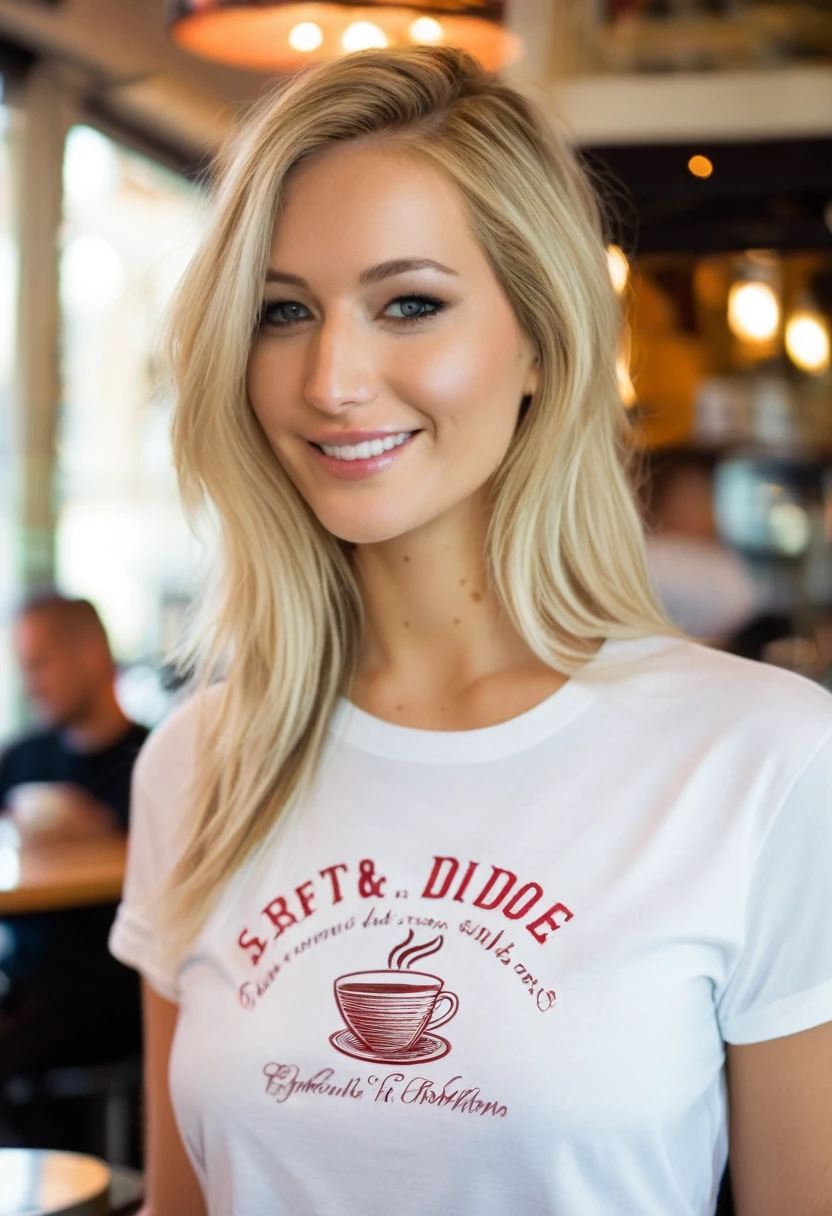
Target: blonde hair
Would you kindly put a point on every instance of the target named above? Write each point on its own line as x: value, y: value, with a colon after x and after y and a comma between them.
x: 565, y: 548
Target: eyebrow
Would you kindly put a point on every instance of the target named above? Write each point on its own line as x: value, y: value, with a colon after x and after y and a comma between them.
x: 373, y: 274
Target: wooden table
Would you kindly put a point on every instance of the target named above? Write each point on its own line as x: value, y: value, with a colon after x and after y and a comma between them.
x: 43, y: 877
x: 37, y: 1182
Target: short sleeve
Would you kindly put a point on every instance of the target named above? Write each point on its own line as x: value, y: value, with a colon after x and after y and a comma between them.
x: 782, y: 982
x: 161, y: 794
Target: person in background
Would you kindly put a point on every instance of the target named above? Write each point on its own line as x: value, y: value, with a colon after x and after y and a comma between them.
x: 703, y: 585
x: 63, y: 998
x: 85, y: 745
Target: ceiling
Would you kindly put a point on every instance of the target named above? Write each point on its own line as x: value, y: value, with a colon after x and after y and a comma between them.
x: 118, y: 54
x: 612, y: 69
x: 761, y: 194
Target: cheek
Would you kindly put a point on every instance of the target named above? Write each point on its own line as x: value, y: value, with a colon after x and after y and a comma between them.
x: 461, y: 384
x: 269, y: 385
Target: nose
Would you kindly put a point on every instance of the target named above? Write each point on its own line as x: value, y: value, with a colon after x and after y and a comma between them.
x: 341, y: 371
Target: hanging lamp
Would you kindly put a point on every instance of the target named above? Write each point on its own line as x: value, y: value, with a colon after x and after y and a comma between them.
x: 283, y: 35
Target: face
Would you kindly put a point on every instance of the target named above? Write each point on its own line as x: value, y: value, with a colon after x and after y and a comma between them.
x: 389, y: 369
x: 59, y: 676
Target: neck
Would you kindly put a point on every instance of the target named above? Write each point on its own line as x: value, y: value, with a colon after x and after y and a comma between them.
x: 100, y: 725
x: 437, y: 638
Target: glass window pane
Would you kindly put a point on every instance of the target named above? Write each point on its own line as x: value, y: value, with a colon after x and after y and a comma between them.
x: 130, y: 227
x: 8, y: 479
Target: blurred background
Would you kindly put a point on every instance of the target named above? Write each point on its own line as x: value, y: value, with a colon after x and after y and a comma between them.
x: 707, y: 126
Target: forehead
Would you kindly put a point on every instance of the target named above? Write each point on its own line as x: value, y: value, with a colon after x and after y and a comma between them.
x: 368, y: 202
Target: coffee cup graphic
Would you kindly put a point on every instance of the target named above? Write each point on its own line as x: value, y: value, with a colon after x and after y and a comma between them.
x: 390, y: 1011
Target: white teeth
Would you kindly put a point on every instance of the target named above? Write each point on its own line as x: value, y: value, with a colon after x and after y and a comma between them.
x: 370, y: 447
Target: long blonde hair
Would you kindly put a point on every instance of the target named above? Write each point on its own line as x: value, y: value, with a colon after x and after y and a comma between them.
x: 565, y: 549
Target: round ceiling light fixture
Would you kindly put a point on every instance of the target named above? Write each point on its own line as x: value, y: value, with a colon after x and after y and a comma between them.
x: 262, y: 35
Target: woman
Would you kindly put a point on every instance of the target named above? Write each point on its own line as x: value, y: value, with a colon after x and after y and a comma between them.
x: 470, y: 868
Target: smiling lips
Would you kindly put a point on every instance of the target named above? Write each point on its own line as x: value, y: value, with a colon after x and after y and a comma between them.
x: 366, y: 454
x: 366, y: 448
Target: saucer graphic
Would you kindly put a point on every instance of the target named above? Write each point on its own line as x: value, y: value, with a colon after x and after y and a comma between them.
x: 428, y: 1047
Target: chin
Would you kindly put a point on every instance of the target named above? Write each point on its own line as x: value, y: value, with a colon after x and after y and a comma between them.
x: 364, y: 531
x: 363, y: 524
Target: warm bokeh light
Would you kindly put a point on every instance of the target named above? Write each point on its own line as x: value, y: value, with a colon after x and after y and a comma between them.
x: 625, y: 384
x: 271, y: 35
x: 426, y: 29
x: 700, y: 166
x: 362, y: 35
x: 619, y: 268
x: 807, y: 341
x: 306, y: 36
x: 753, y: 311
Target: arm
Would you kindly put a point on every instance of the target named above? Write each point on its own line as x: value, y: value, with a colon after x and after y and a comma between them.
x: 781, y: 1124
x: 61, y: 812
x: 172, y: 1186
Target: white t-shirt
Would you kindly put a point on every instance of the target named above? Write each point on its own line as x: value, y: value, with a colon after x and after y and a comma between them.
x: 493, y: 971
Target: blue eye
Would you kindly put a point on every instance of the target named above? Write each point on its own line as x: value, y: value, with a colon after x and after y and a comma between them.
x: 281, y: 313
x: 415, y: 308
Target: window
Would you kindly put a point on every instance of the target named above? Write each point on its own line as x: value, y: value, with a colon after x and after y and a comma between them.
x: 8, y: 479
x: 130, y: 227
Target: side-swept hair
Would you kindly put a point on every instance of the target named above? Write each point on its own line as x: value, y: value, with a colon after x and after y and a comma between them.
x: 565, y: 550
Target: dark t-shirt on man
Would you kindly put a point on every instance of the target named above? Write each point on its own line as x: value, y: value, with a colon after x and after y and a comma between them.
x: 65, y: 1000
x: 104, y: 774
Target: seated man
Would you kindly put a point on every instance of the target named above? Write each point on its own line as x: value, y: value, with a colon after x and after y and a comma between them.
x: 704, y: 586
x: 63, y: 998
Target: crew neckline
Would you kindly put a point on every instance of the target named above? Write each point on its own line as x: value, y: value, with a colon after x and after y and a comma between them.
x: 357, y: 728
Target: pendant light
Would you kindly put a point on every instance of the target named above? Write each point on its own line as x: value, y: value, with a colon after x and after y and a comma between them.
x: 284, y: 35
x: 807, y: 338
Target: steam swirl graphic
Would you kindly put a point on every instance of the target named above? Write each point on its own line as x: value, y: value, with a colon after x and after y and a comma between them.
x: 398, y: 955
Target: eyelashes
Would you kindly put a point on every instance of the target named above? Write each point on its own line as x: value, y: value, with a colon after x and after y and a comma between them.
x: 421, y: 301
x: 274, y: 313
x: 283, y: 314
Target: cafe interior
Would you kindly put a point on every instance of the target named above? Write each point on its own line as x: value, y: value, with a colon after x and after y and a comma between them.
x: 707, y: 128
